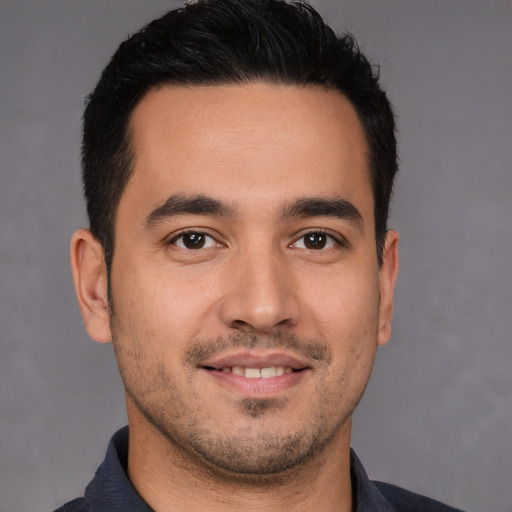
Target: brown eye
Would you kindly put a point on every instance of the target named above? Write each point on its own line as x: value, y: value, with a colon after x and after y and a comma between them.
x: 194, y: 240
x: 315, y: 241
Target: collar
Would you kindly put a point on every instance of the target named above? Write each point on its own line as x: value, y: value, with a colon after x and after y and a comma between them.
x: 367, y: 496
x: 110, y: 490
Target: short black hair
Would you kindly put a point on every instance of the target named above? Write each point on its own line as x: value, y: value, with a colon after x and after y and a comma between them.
x: 215, y: 42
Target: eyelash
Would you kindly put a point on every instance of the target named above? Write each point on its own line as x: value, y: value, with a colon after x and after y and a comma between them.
x: 182, y: 234
x: 336, y: 240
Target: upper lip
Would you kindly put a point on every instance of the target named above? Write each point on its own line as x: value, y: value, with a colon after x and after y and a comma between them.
x: 255, y: 360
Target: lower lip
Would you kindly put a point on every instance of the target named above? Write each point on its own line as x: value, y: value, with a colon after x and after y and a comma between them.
x: 257, y: 387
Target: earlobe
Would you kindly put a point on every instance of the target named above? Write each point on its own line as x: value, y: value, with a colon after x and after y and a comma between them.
x: 91, y: 281
x: 387, y: 279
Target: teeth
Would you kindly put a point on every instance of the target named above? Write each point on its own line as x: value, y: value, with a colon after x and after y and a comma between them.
x: 266, y: 373
x: 238, y: 370
x: 258, y: 373
x: 252, y: 373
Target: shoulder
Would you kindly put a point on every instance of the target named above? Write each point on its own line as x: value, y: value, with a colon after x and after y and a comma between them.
x: 407, y: 501
x: 76, y: 505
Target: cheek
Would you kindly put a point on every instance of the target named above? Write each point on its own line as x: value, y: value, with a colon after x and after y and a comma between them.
x: 348, y: 322
x: 160, y: 305
x: 352, y: 306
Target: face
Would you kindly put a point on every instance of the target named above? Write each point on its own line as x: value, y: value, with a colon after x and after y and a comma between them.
x: 247, y: 297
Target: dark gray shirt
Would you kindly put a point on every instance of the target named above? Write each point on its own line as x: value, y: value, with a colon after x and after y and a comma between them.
x: 111, y: 491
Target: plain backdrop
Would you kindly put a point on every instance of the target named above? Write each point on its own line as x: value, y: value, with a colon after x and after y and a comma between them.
x: 437, y: 415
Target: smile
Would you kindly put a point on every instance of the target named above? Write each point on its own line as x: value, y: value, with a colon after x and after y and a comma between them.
x: 258, y: 373
x: 257, y: 381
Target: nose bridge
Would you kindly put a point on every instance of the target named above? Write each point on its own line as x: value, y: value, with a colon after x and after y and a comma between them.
x: 260, y: 294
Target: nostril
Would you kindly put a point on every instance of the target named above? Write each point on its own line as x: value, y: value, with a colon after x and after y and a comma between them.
x: 240, y: 325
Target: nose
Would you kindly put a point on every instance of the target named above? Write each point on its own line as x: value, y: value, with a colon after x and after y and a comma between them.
x: 261, y: 294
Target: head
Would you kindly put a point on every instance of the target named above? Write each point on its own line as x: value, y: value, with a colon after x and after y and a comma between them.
x: 238, y: 164
x: 228, y: 42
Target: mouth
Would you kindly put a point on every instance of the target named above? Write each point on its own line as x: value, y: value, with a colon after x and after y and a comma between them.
x: 253, y: 375
x: 267, y: 372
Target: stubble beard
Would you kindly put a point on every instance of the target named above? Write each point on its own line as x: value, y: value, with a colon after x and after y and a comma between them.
x: 249, y: 454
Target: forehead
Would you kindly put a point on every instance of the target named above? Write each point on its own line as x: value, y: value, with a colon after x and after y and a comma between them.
x: 258, y: 140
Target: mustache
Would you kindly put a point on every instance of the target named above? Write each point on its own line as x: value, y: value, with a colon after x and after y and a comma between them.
x: 202, y: 350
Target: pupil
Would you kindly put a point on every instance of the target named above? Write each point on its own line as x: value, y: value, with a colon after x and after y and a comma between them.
x: 315, y: 241
x: 193, y: 240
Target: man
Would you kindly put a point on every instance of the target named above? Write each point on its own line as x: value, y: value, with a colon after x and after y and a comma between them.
x: 238, y: 163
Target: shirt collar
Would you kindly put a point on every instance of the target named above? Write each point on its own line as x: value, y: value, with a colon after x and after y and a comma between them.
x: 110, y: 490
x: 366, y: 495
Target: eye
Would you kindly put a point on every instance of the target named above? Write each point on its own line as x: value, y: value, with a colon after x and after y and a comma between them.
x: 194, y: 240
x: 316, y: 241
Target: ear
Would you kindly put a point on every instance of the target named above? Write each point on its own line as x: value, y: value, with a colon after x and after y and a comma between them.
x: 90, y: 278
x: 387, y: 278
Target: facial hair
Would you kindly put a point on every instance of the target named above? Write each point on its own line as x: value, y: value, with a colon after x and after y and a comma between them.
x: 250, y: 448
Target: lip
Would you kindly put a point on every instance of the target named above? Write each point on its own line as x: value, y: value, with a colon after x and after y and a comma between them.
x: 261, y: 387
x: 256, y: 360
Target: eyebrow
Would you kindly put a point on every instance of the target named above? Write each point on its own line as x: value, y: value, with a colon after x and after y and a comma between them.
x: 322, y: 207
x: 180, y: 204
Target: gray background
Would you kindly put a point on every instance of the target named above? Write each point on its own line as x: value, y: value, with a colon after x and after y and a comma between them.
x: 437, y: 416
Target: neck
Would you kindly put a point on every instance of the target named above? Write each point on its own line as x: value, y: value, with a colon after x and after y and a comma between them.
x: 170, y: 479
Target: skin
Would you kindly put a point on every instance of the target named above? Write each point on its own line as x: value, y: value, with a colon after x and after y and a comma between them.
x: 265, y: 281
